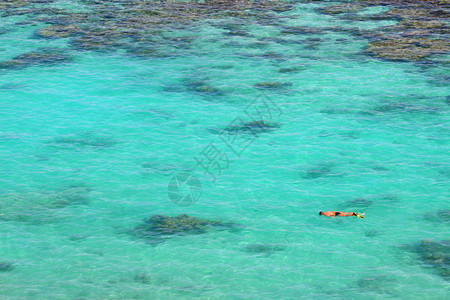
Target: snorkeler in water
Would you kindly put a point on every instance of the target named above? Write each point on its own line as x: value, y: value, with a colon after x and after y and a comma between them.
x: 333, y: 214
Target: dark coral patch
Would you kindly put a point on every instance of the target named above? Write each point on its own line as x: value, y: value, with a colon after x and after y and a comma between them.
x: 158, y: 227
x: 58, y: 31
x: 203, y: 87
x: 438, y: 216
x: 293, y: 69
x: 6, y: 266
x: 109, y: 25
x: 435, y: 254
x: 317, y: 172
x: 83, y: 139
x: 35, y: 58
x: 407, y: 48
x: 252, y: 127
x: 380, y: 284
x: 335, y: 9
x: 272, y: 85
x: 357, y: 203
x: 421, y: 30
x: 264, y: 249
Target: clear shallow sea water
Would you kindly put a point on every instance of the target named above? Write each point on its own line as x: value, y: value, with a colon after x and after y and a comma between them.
x: 380, y: 128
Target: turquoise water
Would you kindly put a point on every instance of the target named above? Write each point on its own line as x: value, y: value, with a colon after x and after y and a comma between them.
x: 110, y: 130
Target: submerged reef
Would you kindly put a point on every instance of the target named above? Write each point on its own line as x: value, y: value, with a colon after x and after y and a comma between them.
x: 317, y: 172
x: 335, y: 9
x: 407, y: 49
x: 75, y: 194
x: 138, y: 25
x: 83, y: 139
x: 6, y: 266
x: 421, y: 30
x: 264, y: 249
x: 435, y: 254
x: 442, y: 216
x: 371, y: 233
x: 252, y: 127
x: 39, y: 57
x: 272, y: 85
x: 25, y: 208
x: 379, y: 284
x: 58, y: 31
x: 405, y: 107
x: 143, y: 277
x: 158, y: 227
x: 203, y: 87
x: 144, y: 28
x: 357, y: 203
x: 293, y: 69
x: 368, y: 201
x: 39, y: 207
x: 200, y: 87
x: 324, y: 169
x: 10, y: 4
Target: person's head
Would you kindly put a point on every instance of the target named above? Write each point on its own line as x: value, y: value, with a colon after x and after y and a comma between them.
x: 320, y: 213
